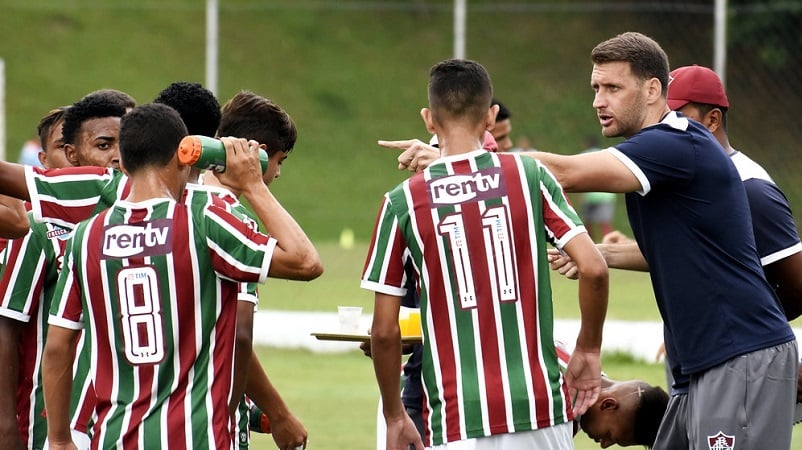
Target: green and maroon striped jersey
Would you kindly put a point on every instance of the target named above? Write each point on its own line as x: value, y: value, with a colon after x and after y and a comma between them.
x: 476, y: 228
x: 26, y: 288
x: 69, y: 195
x: 153, y: 283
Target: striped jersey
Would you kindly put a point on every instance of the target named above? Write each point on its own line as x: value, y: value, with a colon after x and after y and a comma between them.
x: 69, y: 195
x: 26, y: 288
x: 476, y: 227
x: 65, y: 197
x: 152, y: 285
x: 197, y: 193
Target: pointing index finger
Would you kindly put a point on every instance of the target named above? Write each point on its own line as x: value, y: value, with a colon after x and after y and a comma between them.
x: 402, y: 145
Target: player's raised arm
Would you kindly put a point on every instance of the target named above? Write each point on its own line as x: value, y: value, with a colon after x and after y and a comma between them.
x: 294, y: 257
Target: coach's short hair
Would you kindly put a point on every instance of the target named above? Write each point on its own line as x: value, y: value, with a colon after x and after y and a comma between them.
x: 645, y: 56
x: 149, y: 136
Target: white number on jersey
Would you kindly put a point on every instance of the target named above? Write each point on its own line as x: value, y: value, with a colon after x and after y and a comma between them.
x: 498, y: 251
x: 143, y: 334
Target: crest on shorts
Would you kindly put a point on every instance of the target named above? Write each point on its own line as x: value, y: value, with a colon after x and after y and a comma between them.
x: 721, y: 442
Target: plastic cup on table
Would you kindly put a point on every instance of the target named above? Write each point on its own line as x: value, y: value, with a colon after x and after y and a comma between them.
x: 349, y: 317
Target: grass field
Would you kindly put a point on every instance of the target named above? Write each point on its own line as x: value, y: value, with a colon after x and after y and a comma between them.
x: 335, y: 394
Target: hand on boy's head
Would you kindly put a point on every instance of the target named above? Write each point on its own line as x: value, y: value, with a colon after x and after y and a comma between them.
x: 242, y: 163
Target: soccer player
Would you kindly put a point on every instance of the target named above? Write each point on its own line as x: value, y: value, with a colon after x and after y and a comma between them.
x: 26, y: 286
x: 172, y: 348
x: 249, y: 116
x: 475, y: 224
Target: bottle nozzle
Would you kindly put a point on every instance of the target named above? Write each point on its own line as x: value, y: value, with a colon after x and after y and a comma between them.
x: 189, y: 150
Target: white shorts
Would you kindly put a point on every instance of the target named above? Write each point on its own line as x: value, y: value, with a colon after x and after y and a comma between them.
x: 559, y: 437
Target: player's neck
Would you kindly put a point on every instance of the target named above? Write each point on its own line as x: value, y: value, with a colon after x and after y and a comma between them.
x: 459, y: 140
x: 154, y: 183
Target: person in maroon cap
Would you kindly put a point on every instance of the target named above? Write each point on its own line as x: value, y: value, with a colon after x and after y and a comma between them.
x: 697, y: 92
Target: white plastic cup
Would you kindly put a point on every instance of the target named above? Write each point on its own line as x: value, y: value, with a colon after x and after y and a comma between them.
x: 349, y: 318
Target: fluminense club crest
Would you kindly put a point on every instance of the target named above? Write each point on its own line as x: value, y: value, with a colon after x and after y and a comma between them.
x: 721, y: 442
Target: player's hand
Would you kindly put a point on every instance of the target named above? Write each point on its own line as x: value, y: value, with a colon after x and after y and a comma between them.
x: 366, y: 348
x: 661, y: 353
x: 61, y: 446
x: 401, y: 434
x: 288, y: 432
x: 616, y: 237
x: 563, y: 264
x: 583, y: 377
x: 415, y: 156
x: 243, y: 169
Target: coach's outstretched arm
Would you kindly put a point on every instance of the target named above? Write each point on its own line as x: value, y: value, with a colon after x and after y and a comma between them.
x: 295, y: 257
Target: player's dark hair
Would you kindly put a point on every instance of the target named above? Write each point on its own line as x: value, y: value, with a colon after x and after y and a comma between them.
x: 645, y: 56
x: 459, y: 89
x: 503, y: 112
x: 704, y: 108
x: 89, y: 107
x: 197, y: 106
x: 149, y: 136
x: 119, y: 97
x: 46, y: 124
x: 649, y: 414
x: 251, y: 116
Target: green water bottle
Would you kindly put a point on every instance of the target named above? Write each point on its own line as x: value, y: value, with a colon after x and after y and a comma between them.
x: 208, y: 153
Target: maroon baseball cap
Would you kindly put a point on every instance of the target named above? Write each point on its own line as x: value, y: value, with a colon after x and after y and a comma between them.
x: 695, y: 84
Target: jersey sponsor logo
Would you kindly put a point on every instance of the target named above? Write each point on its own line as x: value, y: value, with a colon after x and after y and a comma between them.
x: 721, y: 441
x: 143, y: 239
x: 58, y: 232
x: 455, y: 189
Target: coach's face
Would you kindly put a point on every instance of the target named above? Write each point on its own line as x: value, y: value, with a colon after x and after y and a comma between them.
x: 620, y: 100
x: 96, y: 144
